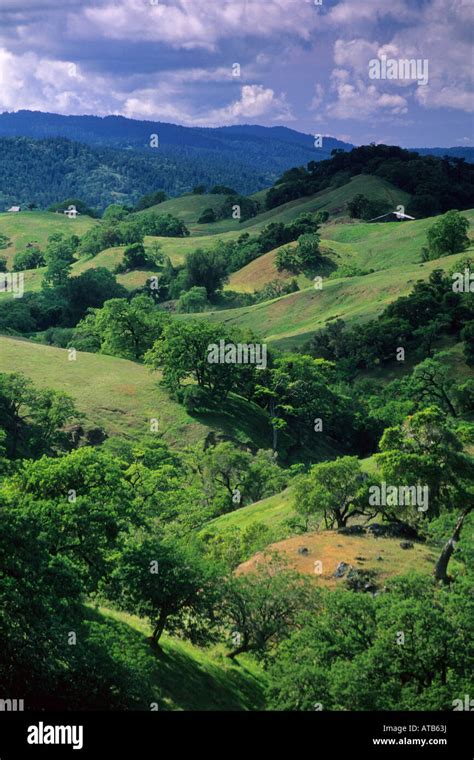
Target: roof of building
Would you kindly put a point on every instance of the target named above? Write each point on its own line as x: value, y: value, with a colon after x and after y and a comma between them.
x: 398, y: 214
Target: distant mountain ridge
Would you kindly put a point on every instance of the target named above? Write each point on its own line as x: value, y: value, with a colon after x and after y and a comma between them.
x: 47, y: 157
x: 121, y: 132
x: 122, y: 164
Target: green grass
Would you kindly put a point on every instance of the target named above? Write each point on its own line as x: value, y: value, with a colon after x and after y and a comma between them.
x: 110, y: 258
x: 188, y: 207
x: 333, y: 200
x: 177, y: 248
x: 182, y: 676
x: 272, y: 512
x: 290, y: 321
x: 117, y: 394
x: 357, y: 244
x: 35, y: 227
x: 206, y: 235
x: 123, y: 396
x: 38, y: 226
x: 381, y: 246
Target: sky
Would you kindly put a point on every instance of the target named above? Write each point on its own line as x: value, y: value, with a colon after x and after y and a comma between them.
x: 304, y: 64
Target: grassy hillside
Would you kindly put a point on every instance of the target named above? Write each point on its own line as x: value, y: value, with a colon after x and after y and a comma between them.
x: 380, y: 246
x: 352, y: 244
x: 392, y: 249
x: 122, y: 396
x: 362, y: 552
x: 274, y: 511
x: 258, y: 273
x: 110, y: 258
x: 332, y: 200
x: 182, y: 676
x: 35, y: 227
x: 188, y: 207
x: 291, y: 320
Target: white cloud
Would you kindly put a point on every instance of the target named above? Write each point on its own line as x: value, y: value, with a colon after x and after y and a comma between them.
x: 192, y: 44
x: 195, y: 23
x: 30, y: 82
x: 440, y: 36
x: 364, y: 13
x: 27, y: 81
x: 318, y: 98
x: 359, y: 101
x: 255, y: 102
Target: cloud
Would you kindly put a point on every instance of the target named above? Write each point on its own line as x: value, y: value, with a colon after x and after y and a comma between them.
x: 172, y: 60
x: 445, y: 39
x: 440, y: 37
x: 255, y: 103
x: 30, y: 82
x: 318, y: 98
x: 367, y: 13
x: 359, y: 101
x: 195, y: 23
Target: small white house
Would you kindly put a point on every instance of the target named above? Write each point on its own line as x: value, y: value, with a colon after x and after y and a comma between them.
x: 71, y: 212
x: 15, y: 209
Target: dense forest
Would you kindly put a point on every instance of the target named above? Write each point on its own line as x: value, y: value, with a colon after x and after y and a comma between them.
x: 436, y: 184
x: 42, y: 171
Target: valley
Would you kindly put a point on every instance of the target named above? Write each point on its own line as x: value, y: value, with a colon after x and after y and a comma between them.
x: 134, y: 432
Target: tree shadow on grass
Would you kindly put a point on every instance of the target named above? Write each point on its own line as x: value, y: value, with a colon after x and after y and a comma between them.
x: 176, y: 677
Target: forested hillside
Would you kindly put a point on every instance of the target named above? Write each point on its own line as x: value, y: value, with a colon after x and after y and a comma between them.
x: 274, y: 147
x: 41, y: 172
x: 236, y: 435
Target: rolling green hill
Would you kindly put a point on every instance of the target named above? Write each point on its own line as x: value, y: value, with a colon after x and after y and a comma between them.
x: 122, y: 396
x: 332, y: 200
x: 188, y: 207
x: 356, y: 244
x: 290, y: 321
x: 382, y: 245
x: 35, y: 227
